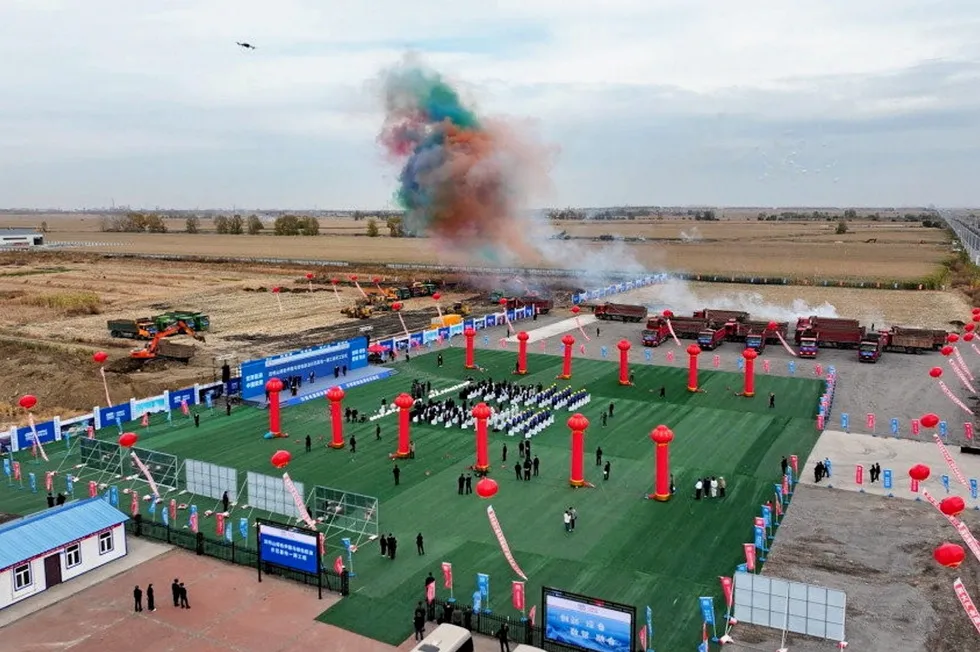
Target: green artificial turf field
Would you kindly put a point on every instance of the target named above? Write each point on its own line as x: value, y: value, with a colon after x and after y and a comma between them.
x: 625, y: 548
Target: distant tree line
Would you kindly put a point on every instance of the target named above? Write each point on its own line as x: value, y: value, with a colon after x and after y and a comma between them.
x: 133, y: 222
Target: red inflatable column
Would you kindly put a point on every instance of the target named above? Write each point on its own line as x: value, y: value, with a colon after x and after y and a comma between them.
x: 274, y: 386
x: 578, y: 423
x: 469, y: 334
x: 481, y: 412
x: 662, y: 436
x: 566, y: 364
x: 692, y: 367
x: 624, y: 362
x: 522, y: 339
x: 335, y: 395
x: 404, y: 403
x: 750, y: 355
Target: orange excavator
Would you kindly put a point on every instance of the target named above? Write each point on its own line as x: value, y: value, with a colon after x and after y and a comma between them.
x: 159, y: 347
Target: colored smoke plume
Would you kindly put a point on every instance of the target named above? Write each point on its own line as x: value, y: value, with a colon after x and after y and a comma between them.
x: 464, y: 178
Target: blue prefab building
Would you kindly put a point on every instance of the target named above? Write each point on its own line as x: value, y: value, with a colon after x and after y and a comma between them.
x: 56, y: 545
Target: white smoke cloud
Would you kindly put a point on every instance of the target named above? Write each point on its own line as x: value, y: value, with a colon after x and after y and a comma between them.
x: 677, y: 295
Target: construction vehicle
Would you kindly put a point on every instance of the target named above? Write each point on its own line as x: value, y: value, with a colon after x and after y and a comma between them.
x: 495, y: 296
x: 656, y: 332
x: 539, y: 305
x: 399, y: 294
x: 159, y: 347
x: 721, y: 316
x: 133, y: 329
x: 461, y: 308
x: 420, y: 289
x: 446, y: 320
x: 687, y: 327
x: 623, y: 312
x: 813, y: 333
x: 198, y: 321
x: 711, y: 338
x: 872, y: 346
x: 756, y: 341
x: 360, y: 310
x: 914, y: 340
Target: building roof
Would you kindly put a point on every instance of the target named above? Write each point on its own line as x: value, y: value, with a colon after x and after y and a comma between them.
x: 19, y: 232
x: 53, y: 528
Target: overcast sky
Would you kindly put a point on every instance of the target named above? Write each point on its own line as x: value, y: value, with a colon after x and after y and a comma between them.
x: 666, y: 102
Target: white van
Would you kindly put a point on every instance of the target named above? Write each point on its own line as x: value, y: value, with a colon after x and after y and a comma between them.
x: 446, y: 638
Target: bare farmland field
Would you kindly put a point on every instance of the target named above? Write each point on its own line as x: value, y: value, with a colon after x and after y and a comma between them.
x: 873, y: 251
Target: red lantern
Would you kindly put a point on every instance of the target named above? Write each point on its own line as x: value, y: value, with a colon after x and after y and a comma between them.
x: 353, y: 278
x: 486, y: 488
x: 949, y: 555
x: 976, y: 311
x: 276, y: 290
x: 968, y: 337
x: 503, y: 301
x: 668, y: 313
x: 946, y: 350
x: 919, y: 472
x: 309, y: 276
x: 128, y: 439
x: 976, y: 317
x: 952, y: 506
x: 396, y: 306
x: 99, y: 357
x: 773, y: 326
x: 27, y: 401
x: 952, y: 337
x: 436, y: 296
x: 274, y: 385
x: 929, y: 420
x: 969, y: 327
x: 334, y: 281
x: 693, y: 350
x: 936, y: 372
x: 281, y: 459
x: 376, y: 280
x: 576, y: 310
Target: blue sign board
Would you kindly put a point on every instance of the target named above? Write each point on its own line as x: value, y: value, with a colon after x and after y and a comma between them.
x: 178, y: 396
x: 235, y: 385
x: 415, y: 341
x: 322, y: 360
x: 289, y: 548
x: 108, y: 416
x: 45, y: 434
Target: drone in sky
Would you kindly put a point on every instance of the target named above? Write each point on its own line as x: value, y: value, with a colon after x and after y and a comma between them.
x: 246, y: 46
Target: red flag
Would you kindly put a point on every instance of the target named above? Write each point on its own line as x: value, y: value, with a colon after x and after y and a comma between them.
x: 749, y: 556
x: 134, y: 503
x: 93, y: 489
x: 90, y: 432
x: 220, y: 524
x: 322, y: 539
x: 48, y: 480
x: 430, y: 592
x: 173, y: 509
x: 785, y: 487
x: 915, y: 426
x: 517, y: 595
x: 643, y: 637
x: 968, y: 430
x: 184, y: 409
x: 704, y: 634
x: 778, y: 506
x: 726, y: 587
x: 859, y: 474
x: 532, y: 613
x: 338, y: 565
x: 17, y: 472
x: 447, y: 575
x: 794, y: 461
x: 145, y: 421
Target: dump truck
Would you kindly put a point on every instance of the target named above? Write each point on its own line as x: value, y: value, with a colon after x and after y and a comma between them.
x: 901, y: 339
x: 656, y: 332
x: 541, y: 305
x: 401, y: 294
x: 830, y: 332
x: 142, y: 328
x: 756, y: 341
x: 624, y: 312
x: 872, y: 346
x: 721, y: 316
x: 420, y: 289
x: 711, y: 338
x: 199, y: 321
x: 359, y: 310
x: 688, y: 327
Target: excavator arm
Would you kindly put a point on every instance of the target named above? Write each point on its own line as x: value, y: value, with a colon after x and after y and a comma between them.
x: 151, y: 349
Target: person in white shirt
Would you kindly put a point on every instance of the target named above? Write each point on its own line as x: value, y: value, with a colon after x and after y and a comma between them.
x: 698, y: 486
x: 568, y: 521
x: 714, y: 488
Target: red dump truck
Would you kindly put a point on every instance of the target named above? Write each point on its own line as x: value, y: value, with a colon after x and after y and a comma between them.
x: 541, y: 305
x: 656, y: 332
x: 902, y: 339
x: 757, y: 341
x: 710, y: 338
x: 872, y: 346
x: 813, y: 333
x: 688, y: 327
x: 620, y: 312
x: 721, y: 316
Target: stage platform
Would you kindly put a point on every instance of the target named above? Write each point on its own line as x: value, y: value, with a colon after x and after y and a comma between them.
x: 309, y: 392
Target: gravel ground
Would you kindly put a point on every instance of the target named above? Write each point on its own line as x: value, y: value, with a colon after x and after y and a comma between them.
x: 876, y: 549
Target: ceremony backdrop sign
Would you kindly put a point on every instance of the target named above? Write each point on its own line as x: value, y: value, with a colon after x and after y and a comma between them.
x: 586, y: 623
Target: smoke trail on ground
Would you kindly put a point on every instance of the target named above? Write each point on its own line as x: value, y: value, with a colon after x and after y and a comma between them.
x: 678, y: 296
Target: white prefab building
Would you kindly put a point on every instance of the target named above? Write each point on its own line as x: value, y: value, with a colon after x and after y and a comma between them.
x: 56, y: 545
x: 20, y: 238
